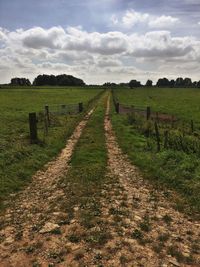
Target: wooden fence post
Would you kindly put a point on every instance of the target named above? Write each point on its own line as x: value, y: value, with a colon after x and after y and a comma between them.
x: 80, y: 107
x: 148, y: 113
x: 172, y: 120
x: 192, y: 126
x: 47, y: 115
x: 157, y: 116
x: 157, y: 136
x: 63, y: 109
x: 45, y: 126
x: 165, y: 139
x: 117, y: 108
x: 33, y: 127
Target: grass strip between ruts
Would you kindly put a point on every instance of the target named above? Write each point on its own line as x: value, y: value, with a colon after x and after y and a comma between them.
x: 87, y: 175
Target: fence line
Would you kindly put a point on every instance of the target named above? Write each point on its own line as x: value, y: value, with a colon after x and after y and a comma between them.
x: 165, y: 130
x: 142, y: 111
x: 49, y: 117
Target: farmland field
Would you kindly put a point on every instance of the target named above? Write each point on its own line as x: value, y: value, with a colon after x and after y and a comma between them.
x: 18, y: 159
x: 177, y: 165
x: 182, y: 102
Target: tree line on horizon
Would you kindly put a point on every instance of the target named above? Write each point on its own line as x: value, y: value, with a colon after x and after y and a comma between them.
x: 162, y: 82
x: 50, y: 80
x: 69, y: 80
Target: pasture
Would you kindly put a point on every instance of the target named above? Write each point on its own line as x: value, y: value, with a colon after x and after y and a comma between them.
x: 181, y: 102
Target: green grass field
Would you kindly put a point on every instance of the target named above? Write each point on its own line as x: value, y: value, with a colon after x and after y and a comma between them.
x: 182, y: 102
x: 174, y: 167
x: 18, y: 159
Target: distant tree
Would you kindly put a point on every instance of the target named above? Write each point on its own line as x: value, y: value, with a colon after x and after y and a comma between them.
x: 149, y: 83
x: 198, y: 84
x: 123, y: 84
x: 194, y: 84
x: 163, y: 82
x: 179, y: 82
x: 20, y: 82
x: 171, y: 83
x: 134, y: 83
x: 187, y: 82
x: 109, y: 84
x: 61, y: 80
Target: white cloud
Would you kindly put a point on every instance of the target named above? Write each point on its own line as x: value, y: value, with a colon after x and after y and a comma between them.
x: 114, y: 19
x: 163, y: 22
x: 39, y: 37
x: 108, y: 62
x: 132, y: 18
x: 76, y: 44
x: 160, y: 44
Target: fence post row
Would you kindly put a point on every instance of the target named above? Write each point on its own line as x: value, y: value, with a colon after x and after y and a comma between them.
x: 80, y: 107
x: 33, y: 127
x: 47, y: 115
x: 148, y: 113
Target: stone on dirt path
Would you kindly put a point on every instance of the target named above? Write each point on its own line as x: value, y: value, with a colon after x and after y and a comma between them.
x: 49, y: 227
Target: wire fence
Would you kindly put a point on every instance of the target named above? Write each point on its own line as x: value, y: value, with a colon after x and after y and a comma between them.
x: 52, y: 116
x: 162, y: 130
x: 64, y: 109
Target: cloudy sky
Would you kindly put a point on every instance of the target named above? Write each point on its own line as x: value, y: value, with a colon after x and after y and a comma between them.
x: 100, y: 40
